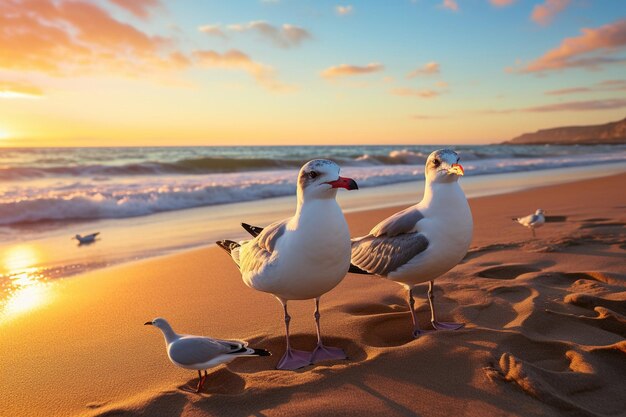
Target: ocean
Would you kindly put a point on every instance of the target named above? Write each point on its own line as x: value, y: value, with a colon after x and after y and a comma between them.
x: 69, y: 184
x: 154, y: 201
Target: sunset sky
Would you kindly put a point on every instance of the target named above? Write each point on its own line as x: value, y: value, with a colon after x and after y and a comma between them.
x: 156, y: 72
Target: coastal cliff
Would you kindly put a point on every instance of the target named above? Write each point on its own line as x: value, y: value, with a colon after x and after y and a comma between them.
x: 609, y: 133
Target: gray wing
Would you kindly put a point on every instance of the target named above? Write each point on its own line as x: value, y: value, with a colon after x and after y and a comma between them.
x: 194, y: 350
x: 402, y: 222
x: 258, y: 250
x: 382, y: 255
x: 528, y: 220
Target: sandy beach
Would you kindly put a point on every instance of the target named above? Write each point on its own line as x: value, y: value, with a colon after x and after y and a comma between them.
x: 545, y: 327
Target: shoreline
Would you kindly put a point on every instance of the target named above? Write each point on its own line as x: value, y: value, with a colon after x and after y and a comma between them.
x: 132, y: 239
x: 86, y: 334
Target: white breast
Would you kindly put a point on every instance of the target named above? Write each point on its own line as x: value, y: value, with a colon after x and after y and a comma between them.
x: 448, y: 226
x: 313, y: 255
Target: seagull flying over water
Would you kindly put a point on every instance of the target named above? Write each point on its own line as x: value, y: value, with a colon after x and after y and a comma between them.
x: 424, y: 241
x: 301, y: 257
x: 87, y: 239
x: 532, y: 221
x: 201, y: 353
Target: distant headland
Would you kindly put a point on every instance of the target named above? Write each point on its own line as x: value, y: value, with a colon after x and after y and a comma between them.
x: 613, y: 133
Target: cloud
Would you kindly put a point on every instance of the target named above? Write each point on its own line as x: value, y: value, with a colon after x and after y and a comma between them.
x: 543, y: 14
x: 568, y: 91
x: 618, y: 84
x: 441, y: 84
x: 425, y: 117
x: 429, y: 68
x: 12, y: 89
x: 65, y: 38
x: 608, y: 85
x: 139, y: 8
x: 286, y: 36
x: 265, y: 75
x: 212, y: 30
x: 616, y: 103
x: 570, y: 106
x: 411, y: 92
x: 502, y: 3
x: 588, y: 50
x: 347, y: 70
x: 450, y: 5
x: 232, y: 58
x: 344, y: 10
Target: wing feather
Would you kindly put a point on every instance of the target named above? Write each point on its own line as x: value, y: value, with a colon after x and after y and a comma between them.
x: 382, y: 255
x: 402, y: 222
x: 195, y: 350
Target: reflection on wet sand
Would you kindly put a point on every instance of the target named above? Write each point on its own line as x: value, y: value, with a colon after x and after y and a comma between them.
x: 23, y: 286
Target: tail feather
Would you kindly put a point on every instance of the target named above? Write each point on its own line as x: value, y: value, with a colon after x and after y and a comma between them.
x: 227, y: 245
x: 261, y: 352
x: 356, y: 270
x: 253, y: 230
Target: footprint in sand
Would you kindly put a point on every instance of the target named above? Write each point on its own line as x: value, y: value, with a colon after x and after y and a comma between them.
x: 561, y: 375
x: 507, y: 271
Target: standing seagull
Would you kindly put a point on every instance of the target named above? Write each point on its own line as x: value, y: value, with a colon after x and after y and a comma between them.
x: 201, y: 353
x: 424, y: 241
x: 532, y: 221
x: 304, y: 256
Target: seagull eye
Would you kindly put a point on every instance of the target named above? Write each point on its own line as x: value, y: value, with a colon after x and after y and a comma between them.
x: 313, y: 174
x: 436, y: 162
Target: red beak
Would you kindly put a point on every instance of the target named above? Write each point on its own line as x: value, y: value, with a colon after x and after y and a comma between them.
x: 342, y: 182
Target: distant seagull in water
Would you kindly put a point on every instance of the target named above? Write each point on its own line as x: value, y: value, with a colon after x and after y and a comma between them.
x: 87, y: 239
x: 424, y: 241
x: 301, y: 257
x: 201, y: 353
x: 532, y: 221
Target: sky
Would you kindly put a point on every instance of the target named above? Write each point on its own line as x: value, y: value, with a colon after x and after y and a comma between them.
x: 293, y: 72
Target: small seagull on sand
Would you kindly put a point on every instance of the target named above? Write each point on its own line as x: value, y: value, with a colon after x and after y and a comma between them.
x: 87, y: 239
x: 201, y: 353
x: 301, y: 257
x: 532, y: 221
x: 424, y: 241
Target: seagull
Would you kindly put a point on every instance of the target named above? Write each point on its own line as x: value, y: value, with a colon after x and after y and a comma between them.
x: 201, y: 353
x: 424, y: 241
x: 87, y: 239
x: 301, y: 257
x: 532, y: 221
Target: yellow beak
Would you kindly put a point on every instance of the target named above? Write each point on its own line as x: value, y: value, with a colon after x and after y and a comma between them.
x: 456, y: 169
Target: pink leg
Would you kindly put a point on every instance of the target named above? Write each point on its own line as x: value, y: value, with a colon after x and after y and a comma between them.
x: 292, y: 359
x: 416, y: 329
x: 433, y: 319
x: 201, y: 380
x: 321, y: 352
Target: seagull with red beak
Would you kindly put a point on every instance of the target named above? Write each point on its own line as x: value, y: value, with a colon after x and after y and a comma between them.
x: 302, y: 257
x: 424, y: 241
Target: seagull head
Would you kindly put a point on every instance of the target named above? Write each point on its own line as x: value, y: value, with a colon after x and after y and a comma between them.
x: 443, y: 166
x: 159, y: 322
x: 539, y: 211
x: 320, y: 178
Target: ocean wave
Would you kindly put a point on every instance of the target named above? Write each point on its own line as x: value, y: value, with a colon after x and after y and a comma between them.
x: 209, y: 165
x: 185, y: 166
x: 74, y: 199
